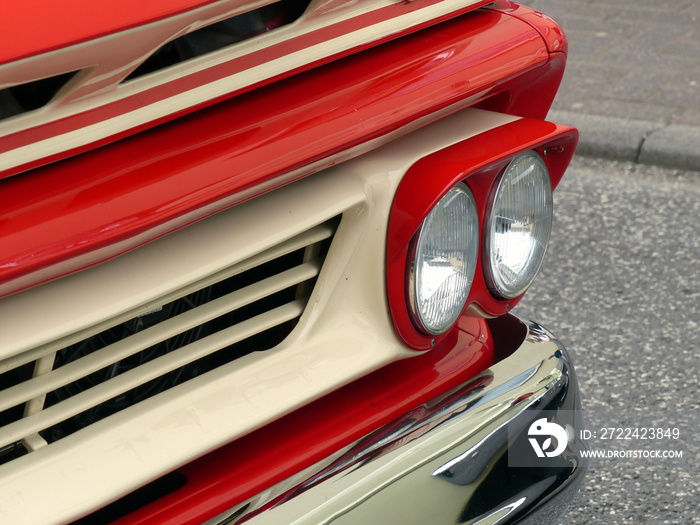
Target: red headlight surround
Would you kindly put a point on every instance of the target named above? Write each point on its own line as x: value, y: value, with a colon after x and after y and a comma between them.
x: 478, y: 162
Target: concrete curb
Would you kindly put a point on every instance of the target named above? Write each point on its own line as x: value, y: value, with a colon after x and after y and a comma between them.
x: 641, y: 141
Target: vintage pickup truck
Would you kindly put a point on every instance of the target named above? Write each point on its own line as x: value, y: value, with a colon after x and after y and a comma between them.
x: 258, y: 260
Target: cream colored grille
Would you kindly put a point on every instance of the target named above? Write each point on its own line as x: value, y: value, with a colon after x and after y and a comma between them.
x: 61, y: 387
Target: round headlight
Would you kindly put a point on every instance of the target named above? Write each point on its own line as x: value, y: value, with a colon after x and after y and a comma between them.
x: 518, y: 227
x: 443, y: 261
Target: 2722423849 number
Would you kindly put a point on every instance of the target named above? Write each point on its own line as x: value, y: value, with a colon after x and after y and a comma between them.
x: 650, y: 433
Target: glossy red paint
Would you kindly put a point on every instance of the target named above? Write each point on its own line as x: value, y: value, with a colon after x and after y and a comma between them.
x: 478, y: 162
x: 551, y: 32
x: 528, y: 95
x: 188, y: 82
x: 39, y: 26
x: 109, y: 195
x: 246, y: 467
x: 33, y: 27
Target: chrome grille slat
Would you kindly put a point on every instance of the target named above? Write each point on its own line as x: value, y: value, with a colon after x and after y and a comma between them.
x: 148, y: 371
x: 42, y: 384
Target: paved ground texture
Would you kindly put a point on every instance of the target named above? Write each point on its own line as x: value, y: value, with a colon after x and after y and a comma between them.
x: 632, y: 84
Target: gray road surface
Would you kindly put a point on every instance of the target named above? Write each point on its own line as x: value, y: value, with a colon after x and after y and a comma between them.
x: 621, y: 288
x: 632, y: 81
x: 630, y: 59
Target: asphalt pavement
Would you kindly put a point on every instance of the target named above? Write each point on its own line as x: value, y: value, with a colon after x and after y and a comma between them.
x: 632, y: 84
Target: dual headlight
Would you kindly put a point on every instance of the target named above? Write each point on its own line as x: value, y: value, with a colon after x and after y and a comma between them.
x: 444, y: 261
x: 445, y: 252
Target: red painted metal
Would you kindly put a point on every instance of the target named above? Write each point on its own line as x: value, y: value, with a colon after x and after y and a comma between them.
x: 478, y: 162
x: 551, y: 32
x: 31, y: 27
x: 197, y: 79
x: 108, y: 195
x: 244, y: 468
x: 528, y: 95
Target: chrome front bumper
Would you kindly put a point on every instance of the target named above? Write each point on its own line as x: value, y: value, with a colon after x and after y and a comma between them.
x: 447, y: 460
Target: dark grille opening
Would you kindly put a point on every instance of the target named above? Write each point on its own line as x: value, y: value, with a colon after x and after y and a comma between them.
x: 26, y: 97
x: 222, y: 34
x: 7, y: 380
x: 118, y: 333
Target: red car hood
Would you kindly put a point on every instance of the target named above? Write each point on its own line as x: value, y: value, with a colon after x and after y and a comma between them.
x: 66, y: 67
x: 32, y: 27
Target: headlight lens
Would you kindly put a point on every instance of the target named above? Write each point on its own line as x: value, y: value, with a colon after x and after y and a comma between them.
x: 444, y: 260
x: 519, y: 225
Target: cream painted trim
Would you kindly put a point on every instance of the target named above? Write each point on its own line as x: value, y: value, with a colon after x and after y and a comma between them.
x: 130, y: 39
x: 345, y: 331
